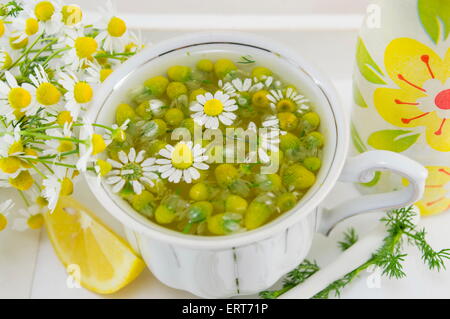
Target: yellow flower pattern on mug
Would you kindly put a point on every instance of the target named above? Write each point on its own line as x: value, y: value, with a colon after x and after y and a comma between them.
x: 422, y: 98
x: 437, y: 191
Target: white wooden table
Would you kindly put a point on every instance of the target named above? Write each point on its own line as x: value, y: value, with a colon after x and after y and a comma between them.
x: 30, y: 269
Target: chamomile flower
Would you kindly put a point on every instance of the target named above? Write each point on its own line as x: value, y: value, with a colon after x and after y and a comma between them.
x: 47, y: 13
x: 116, y: 133
x: 47, y: 94
x: 82, y: 49
x: 57, y: 146
x: 287, y: 101
x: 25, y: 27
x: 182, y: 162
x: 5, y: 207
x: 4, y: 30
x: 31, y: 218
x: 79, y: 94
x: 6, y: 59
x: 133, y: 169
x: 268, y: 141
x: 209, y: 110
x: 56, y: 184
x: 15, y: 99
x: 72, y: 16
x: 10, y: 142
x: 95, y: 74
x: 114, y: 34
x: 95, y: 144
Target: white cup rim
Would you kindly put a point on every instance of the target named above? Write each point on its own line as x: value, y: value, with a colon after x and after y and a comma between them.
x: 278, y: 225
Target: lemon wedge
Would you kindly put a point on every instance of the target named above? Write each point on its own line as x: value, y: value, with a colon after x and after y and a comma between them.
x: 106, y: 263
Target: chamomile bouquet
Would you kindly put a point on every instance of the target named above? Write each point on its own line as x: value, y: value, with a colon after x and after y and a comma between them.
x: 51, y: 62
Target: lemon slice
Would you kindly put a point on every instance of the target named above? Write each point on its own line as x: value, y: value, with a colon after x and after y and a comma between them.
x: 106, y: 263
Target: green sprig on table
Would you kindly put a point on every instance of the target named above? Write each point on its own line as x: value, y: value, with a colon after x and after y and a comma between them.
x: 389, y: 257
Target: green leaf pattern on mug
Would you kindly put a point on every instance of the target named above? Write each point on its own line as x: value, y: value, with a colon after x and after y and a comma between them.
x: 357, y: 96
x: 435, y: 18
x: 392, y: 140
x: 367, y: 66
x: 356, y: 139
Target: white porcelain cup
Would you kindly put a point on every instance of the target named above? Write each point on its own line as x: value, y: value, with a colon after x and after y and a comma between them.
x: 246, y: 263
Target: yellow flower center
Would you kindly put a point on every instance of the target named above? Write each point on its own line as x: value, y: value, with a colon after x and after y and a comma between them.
x: 16, y: 147
x: 213, y: 107
x: 31, y: 26
x: 9, y: 165
x: 5, y: 60
x: 104, y: 73
x: 66, y: 187
x: 35, y: 221
x: 48, y: 94
x: 182, y: 157
x: 85, y: 47
x: 44, y: 10
x: 64, y: 117
x: 2, y: 28
x: 3, y: 222
x: 65, y: 146
x: 83, y: 92
x: 19, y: 98
x: 286, y: 105
x: 23, y: 181
x: 116, y: 27
x: 98, y: 144
x: 19, y: 45
x: 71, y: 14
x: 104, y: 167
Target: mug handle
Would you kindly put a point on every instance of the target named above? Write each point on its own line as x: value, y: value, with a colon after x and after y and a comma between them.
x: 361, y: 169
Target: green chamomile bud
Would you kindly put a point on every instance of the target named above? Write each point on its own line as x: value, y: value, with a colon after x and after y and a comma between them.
x: 223, y: 66
x: 289, y: 142
x: 268, y: 182
x: 175, y: 89
x: 174, y: 116
x: 314, y: 140
x: 225, y: 174
x: 260, y: 99
x: 225, y: 223
x: 286, y: 202
x: 312, y: 163
x: 179, y: 73
x: 154, y: 128
x: 157, y: 85
x: 164, y: 215
x: 288, y: 121
x: 260, y: 72
x: 199, y: 191
x: 258, y: 213
x: 235, y: 204
x: 144, y: 203
x: 124, y: 112
x: 155, y: 146
x: 312, y: 120
x: 298, y: 177
x: 143, y: 110
x: 205, y: 65
x: 200, y: 211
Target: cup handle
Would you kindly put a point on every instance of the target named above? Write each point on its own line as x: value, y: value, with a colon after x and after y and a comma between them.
x: 361, y: 169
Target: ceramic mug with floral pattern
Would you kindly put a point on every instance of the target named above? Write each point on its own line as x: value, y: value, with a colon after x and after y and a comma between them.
x: 402, y: 92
